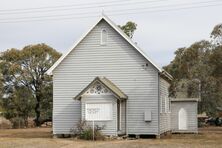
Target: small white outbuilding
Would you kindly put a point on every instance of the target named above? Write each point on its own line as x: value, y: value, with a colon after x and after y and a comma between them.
x: 184, y: 115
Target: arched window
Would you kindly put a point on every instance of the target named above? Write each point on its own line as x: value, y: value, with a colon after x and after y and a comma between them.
x: 103, y: 39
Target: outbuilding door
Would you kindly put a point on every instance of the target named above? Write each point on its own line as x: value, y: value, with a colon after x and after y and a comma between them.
x: 182, y: 119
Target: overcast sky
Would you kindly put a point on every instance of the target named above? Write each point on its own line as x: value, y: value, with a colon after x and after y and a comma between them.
x: 160, y: 30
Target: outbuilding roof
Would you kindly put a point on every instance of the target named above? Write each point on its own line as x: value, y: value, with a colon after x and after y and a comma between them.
x: 129, y: 40
x: 219, y: 108
x: 107, y: 83
x: 184, y: 99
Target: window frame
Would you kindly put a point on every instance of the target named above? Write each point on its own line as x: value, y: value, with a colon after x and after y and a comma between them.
x: 161, y: 104
x: 102, y: 42
x: 111, y: 111
x: 165, y: 105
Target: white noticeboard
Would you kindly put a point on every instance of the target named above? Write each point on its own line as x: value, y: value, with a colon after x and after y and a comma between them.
x: 98, y: 111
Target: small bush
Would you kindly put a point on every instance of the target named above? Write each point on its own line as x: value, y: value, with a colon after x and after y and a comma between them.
x: 84, y: 131
x: 17, y: 122
x: 86, y: 134
x: 5, y: 124
x: 31, y: 123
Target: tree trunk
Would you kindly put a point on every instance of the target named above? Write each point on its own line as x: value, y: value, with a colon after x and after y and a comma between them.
x: 37, y: 111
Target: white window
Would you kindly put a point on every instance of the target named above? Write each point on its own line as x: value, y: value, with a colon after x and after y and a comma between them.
x: 104, y: 35
x: 98, y: 111
x: 161, y: 104
x: 169, y: 105
x: 166, y: 105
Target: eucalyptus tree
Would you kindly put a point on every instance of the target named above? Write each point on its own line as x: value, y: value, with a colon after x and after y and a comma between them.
x: 26, y: 68
x: 129, y: 28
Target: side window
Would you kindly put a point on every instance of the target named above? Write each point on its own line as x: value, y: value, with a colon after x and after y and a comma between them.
x: 169, y: 100
x: 104, y: 36
x: 161, y: 104
x: 169, y: 105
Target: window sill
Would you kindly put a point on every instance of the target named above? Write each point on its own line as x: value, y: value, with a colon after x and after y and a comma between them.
x: 99, y: 120
x: 166, y: 113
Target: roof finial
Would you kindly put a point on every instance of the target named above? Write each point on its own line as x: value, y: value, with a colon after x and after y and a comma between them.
x: 103, y: 14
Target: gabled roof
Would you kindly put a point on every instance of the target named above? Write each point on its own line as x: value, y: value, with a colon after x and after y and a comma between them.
x: 107, y: 83
x: 115, y: 27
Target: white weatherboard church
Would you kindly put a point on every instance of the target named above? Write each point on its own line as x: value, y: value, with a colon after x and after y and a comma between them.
x: 106, y: 78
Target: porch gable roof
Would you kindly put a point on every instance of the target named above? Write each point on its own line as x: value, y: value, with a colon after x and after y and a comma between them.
x: 107, y: 83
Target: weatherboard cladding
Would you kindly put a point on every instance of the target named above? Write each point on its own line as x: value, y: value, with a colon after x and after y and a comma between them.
x: 121, y: 64
x: 162, y: 72
x: 165, y: 117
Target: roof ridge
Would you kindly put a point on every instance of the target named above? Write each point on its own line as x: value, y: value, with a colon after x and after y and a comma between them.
x: 121, y: 33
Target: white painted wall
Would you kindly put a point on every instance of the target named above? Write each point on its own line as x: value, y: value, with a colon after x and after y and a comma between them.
x: 121, y: 64
x: 184, y: 116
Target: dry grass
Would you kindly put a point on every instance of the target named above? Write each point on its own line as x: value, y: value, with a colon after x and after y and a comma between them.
x: 41, y: 137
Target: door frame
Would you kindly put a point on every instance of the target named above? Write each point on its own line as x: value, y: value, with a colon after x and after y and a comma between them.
x: 119, y: 116
x: 182, y: 119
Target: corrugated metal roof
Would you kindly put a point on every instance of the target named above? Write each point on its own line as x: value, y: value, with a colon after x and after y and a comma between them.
x: 219, y: 108
x: 107, y: 83
x: 184, y: 99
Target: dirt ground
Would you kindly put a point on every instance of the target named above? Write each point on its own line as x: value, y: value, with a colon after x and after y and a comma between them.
x: 41, y: 137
